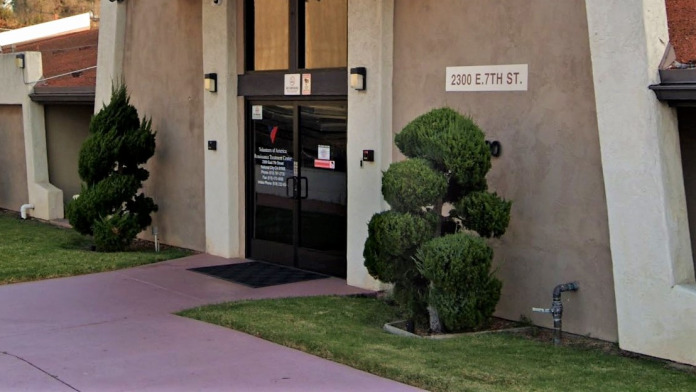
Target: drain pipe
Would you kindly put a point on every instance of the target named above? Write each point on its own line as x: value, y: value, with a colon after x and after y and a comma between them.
x: 557, y: 309
x: 24, y: 208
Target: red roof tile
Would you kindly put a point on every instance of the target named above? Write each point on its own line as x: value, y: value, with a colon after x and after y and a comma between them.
x: 66, y: 54
x: 681, y: 19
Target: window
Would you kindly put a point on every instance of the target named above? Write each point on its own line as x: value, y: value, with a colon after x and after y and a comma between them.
x: 296, y: 34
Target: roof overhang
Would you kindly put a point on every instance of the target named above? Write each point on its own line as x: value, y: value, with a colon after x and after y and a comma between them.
x: 677, y: 85
x: 63, y: 95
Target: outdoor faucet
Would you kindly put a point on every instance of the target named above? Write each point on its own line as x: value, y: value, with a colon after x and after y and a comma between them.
x: 556, y: 309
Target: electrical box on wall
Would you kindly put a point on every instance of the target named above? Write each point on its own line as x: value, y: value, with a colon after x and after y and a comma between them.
x: 212, y: 145
x: 368, y: 156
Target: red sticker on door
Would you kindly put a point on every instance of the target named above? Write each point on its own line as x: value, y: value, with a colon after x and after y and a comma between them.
x: 322, y: 164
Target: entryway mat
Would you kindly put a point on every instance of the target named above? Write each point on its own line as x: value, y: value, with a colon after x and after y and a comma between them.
x: 258, y: 274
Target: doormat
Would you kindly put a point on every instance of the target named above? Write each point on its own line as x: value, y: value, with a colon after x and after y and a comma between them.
x: 258, y: 274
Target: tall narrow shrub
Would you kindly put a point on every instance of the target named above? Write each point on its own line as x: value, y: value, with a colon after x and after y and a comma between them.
x: 439, y: 265
x: 111, y: 206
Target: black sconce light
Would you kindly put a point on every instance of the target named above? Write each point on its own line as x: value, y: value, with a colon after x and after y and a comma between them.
x: 19, y: 60
x: 210, y: 82
x: 358, y: 78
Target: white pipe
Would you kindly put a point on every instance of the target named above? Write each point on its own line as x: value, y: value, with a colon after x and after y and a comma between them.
x: 24, y: 208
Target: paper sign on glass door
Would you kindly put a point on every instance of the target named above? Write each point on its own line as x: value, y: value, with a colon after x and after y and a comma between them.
x: 324, y: 152
x: 322, y: 164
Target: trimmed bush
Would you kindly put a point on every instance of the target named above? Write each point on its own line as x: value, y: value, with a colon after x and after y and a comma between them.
x: 109, y: 206
x: 412, y: 184
x: 114, y: 233
x: 452, y: 143
x: 484, y: 212
x: 462, y: 289
x: 393, y: 238
x: 448, y: 162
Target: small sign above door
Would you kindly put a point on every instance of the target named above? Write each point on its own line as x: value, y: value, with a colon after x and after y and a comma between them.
x: 257, y: 112
x: 307, y: 84
x: 292, y: 84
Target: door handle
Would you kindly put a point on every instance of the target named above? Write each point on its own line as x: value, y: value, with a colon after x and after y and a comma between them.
x: 306, y: 187
x: 291, y: 184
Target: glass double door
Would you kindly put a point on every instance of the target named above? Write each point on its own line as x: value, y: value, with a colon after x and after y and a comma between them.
x: 298, y: 189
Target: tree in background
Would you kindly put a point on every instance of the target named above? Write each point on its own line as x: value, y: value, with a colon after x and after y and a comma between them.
x: 440, y: 266
x: 110, y: 206
x: 30, y: 12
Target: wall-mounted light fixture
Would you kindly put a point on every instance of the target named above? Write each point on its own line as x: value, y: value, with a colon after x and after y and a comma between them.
x: 19, y: 60
x: 210, y: 82
x: 358, y: 78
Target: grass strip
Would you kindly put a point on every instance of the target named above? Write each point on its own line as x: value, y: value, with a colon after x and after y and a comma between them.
x: 348, y: 330
x: 32, y: 250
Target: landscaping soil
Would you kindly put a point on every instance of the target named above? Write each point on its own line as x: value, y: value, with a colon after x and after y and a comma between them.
x: 681, y: 19
x: 145, y: 245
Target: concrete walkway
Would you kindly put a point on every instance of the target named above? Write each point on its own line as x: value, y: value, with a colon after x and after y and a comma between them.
x: 114, y: 331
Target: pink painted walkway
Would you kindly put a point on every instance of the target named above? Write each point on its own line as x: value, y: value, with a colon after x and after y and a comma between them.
x: 115, y: 331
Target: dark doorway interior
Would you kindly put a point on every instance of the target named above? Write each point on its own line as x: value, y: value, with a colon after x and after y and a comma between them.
x: 687, y: 140
x: 298, y: 184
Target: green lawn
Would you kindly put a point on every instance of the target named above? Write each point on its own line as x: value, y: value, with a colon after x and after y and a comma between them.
x: 348, y: 330
x: 32, y: 250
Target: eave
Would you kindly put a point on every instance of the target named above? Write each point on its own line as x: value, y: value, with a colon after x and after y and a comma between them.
x: 63, y: 95
x: 677, y: 86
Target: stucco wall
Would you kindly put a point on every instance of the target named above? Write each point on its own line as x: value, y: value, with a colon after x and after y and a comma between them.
x: 641, y: 163
x: 16, y: 85
x: 67, y: 127
x: 163, y: 69
x: 13, y: 165
x: 550, y: 165
x: 370, y: 45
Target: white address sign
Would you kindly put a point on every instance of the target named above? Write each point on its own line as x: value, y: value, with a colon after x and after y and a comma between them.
x: 512, y: 77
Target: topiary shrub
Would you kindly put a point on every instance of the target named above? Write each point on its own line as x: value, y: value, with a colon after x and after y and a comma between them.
x: 403, y: 232
x: 113, y: 233
x: 110, y: 206
x: 448, y: 162
x: 412, y: 184
x: 485, y: 213
x: 462, y: 288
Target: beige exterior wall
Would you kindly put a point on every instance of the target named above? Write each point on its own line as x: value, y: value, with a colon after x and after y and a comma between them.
x: 550, y: 165
x: 370, y: 45
x: 47, y: 200
x: 112, y: 35
x: 641, y: 162
x: 67, y: 127
x: 13, y: 165
x: 224, y: 123
x: 163, y: 69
